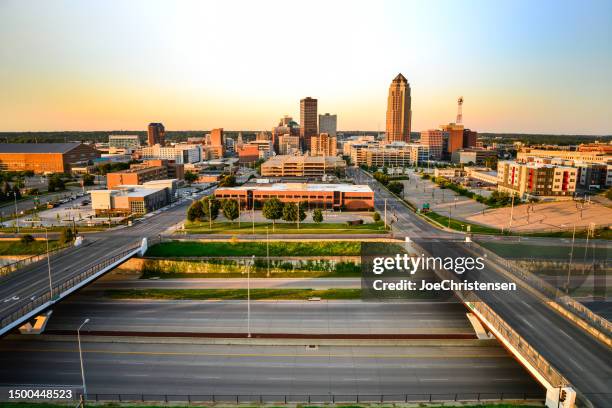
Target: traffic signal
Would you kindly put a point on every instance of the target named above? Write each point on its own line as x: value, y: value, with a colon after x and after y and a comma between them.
x: 563, y: 396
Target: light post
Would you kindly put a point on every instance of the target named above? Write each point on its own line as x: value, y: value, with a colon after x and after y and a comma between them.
x: 81, y: 357
x: 268, y: 250
x: 569, y: 268
x: 16, y: 213
x: 249, y: 296
x: 49, y: 264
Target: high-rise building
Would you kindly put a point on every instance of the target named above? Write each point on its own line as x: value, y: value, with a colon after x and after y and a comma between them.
x: 455, y: 137
x: 323, y: 145
x: 434, y: 139
x: 288, y: 144
x: 399, y: 115
x: 328, y: 124
x: 469, y: 138
x: 308, y: 121
x: 216, y: 142
x: 156, y: 134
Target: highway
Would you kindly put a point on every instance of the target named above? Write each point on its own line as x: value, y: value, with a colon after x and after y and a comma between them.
x: 181, y: 368
x: 324, y: 317
x: 18, y: 288
x: 227, y: 283
x: 584, y: 361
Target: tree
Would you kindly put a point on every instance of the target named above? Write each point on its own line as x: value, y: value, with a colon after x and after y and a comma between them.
x: 230, y: 209
x: 27, y: 239
x: 190, y: 177
x: 273, y: 210
x: 66, y: 236
x: 376, y: 216
x: 290, y: 212
x: 228, y: 181
x: 55, y: 183
x: 195, y: 212
x: 210, y: 208
x: 396, y: 187
x: 88, y: 179
x: 317, y: 215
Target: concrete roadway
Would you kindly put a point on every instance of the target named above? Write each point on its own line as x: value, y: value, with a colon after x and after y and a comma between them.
x: 179, y: 368
x: 304, y: 317
x: 584, y: 361
x: 228, y: 283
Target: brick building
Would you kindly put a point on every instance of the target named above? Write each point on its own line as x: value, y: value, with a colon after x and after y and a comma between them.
x: 45, y: 157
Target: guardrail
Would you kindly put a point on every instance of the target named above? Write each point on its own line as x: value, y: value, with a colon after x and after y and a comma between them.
x: 12, y: 267
x: 546, y: 369
x: 60, y: 289
x: 550, y: 291
x: 318, y: 398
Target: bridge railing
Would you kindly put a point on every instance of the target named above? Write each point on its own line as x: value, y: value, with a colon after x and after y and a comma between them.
x: 535, y: 359
x: 550, y: 291
x: 60, y: 288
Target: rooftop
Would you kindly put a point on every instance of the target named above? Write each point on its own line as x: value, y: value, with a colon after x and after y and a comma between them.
x: 346, y: 188
x: 36, y: 148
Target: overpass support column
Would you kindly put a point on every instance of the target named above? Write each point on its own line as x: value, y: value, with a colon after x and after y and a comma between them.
x: 40, y: 322
x: 564, y: 397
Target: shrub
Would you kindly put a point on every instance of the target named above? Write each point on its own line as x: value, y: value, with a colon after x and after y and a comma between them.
x: 27, y: 239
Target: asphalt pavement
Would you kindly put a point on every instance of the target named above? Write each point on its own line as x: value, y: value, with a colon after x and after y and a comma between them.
x: 282, y: 317
x: 153, y: 368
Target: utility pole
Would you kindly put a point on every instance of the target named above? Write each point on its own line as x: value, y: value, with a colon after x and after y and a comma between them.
x: 16, y: 213
x: 238, y: 200
x: 253, y: 216
x: 298, y: 215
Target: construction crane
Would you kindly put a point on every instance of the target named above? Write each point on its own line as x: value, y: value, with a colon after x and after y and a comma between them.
x: 459, y: 110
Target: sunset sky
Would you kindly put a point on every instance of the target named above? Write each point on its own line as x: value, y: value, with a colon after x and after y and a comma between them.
x: 521, y: 66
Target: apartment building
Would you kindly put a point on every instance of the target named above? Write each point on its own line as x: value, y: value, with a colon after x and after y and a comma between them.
x: 180, y: 153
x: 593, y: 156
x: 538, y: 180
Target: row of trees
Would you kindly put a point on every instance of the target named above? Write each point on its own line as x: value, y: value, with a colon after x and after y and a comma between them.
x: 273, y: 209
x: 395, y: 187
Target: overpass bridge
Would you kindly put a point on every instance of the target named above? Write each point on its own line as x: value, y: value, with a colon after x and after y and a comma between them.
x: 563, y: 352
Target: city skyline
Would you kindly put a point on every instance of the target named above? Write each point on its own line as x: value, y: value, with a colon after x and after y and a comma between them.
x: 204, y: 66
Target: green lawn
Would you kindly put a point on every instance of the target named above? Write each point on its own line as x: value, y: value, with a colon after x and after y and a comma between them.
x: 18, y: 248
x: 517, y: 250
x: 457, y: 224
x: 283, y: 228
x: 221, y: 249
x: 233, y: 294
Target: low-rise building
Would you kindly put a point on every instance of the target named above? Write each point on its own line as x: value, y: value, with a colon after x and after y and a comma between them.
x: 587, y: 155
x: 302, y: 166
x: 135, y: 176
x: 473, y: 155
x: 538, y: 180
x: 45, y: 157
x: 126, y: 200
x: 126, y: 142
x: 180, y: 153
x: 288, y: 144
x: 331, y: 196
x: 254, y: 150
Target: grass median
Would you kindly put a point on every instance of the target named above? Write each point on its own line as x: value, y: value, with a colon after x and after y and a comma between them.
x: 246, y: 227
x: 8, y: 248
x: 233, y: 294
x: 177, y: 249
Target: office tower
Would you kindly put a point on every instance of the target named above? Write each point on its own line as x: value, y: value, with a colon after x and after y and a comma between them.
x: 469, y: 138
x: 308, y: 121
x: 328, y: 124
x: 399, y: 115
x: 434, y: 139
x: 156, y: 134
x: 455, y: 137
x: 323, y: 145
x: 216, y: 142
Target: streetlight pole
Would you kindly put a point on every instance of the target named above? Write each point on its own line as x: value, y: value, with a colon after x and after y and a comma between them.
x: 569, y: 268
x: 81, y: 356
x: 385, y: 213
x: 249, y: 296
x: 268, y: 249
x: 16, y: 213
x: 49, y: 264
